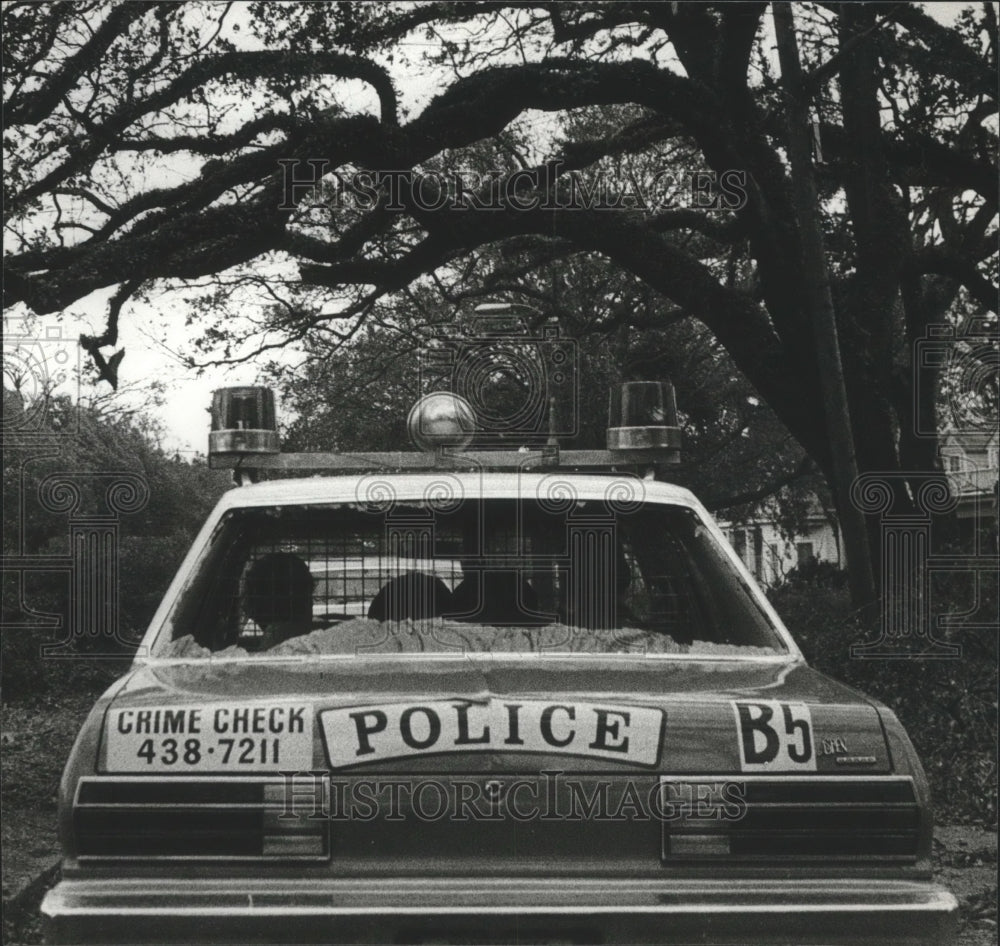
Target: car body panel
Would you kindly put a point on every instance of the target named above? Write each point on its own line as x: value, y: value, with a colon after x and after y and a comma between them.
x: 503, y: 910
x: 700, y: 732
x: 683, y: 835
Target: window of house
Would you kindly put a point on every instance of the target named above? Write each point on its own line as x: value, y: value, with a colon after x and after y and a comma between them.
x: 803, y: 552
x: 740, y: 543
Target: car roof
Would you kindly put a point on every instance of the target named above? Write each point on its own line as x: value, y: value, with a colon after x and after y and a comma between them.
x: 450, y: 484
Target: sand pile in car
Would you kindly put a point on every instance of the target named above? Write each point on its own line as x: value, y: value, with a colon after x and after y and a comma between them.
x: 362, y: 636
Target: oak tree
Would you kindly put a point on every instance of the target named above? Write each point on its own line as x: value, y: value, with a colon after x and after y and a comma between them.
x: 158, y: 144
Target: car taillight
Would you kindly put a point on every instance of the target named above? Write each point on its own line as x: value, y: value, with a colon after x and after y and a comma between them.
x: 776, y: 818
x: 213, y: 819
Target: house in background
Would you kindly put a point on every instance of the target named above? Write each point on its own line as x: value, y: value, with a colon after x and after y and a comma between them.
x: 770, y: 553
x: 970, y: 461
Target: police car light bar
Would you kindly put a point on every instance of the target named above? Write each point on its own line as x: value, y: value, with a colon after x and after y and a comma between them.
x: 441, y: 419
x: 244, y: 437
x: 646, y: 415
x: 243, y: 423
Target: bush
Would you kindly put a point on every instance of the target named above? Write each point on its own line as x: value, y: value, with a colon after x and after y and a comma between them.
x: 86, y: 447
x: 814, y: 573
x: 948, y: 706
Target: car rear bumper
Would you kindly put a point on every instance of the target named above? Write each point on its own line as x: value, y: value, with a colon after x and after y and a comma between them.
x: 392, y: 910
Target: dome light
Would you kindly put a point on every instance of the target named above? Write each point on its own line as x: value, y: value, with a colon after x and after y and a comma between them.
x: 441, y: 419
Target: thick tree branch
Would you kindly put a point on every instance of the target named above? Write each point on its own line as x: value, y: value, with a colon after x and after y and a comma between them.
x: 237, y: 65
x: 740, y: 23
x: 35, y: 106
x: 805, y: 468
x: 953, y: 58
x: 916, y: 160
x: 812, y: 82
x: 474, y: 108
x: 741, y: 326
x: 939, y: 260
x: 726, y: 232
x: 211, y: 144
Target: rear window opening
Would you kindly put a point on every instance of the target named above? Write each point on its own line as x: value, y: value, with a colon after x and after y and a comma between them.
x: 485, y: 576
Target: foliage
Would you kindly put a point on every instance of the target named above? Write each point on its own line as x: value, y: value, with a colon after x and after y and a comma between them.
x: 948, y: 706
x: 56, y: 440
x: 814, y: 574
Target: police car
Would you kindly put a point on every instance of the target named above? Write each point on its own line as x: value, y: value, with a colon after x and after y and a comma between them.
x: 482, y: 696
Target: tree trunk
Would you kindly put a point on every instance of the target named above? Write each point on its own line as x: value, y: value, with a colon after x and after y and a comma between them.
x: 818, y: 298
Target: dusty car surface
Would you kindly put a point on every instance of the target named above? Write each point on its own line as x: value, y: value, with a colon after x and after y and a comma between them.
x: 539, y: 704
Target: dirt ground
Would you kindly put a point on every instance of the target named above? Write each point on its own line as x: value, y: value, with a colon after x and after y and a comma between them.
x: 35, y: 740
